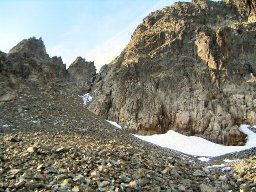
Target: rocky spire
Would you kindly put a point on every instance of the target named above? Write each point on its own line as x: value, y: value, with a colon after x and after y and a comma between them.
x: 31, y: 47
x: 30, y: 60
x: 82, y: 72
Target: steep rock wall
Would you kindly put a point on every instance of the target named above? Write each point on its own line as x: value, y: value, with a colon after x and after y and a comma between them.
x: 189, y: 67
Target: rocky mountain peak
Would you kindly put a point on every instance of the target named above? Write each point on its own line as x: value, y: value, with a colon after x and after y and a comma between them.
x: 184, y: 69
x: 83, y: 73
x: 171, y: 25
x: 28, y: 62
x: 31, y: 47
x: 78, y: 60
x: 81, y: 62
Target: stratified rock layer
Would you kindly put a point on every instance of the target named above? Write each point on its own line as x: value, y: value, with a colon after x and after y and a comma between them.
x: 188, y: 67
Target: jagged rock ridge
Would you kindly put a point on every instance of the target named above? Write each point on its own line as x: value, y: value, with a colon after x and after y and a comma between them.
x: 83, y: 73
x: 29, y: 64
x: 51, y: 142
x: 30, y: 61
x: 188, y: 67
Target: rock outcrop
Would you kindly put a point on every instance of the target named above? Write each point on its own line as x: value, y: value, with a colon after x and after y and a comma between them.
x: 30, y: 48
x: 246, y: 8
x: 83, y: 73
x: 28, y: 64
x: 30, y: 60
x: 188, y: 67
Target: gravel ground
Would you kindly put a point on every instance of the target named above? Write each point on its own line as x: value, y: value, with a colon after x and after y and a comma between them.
x: 51, y: 142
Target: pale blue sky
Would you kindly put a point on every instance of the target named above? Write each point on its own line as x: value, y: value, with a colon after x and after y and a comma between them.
x: 97, y: 30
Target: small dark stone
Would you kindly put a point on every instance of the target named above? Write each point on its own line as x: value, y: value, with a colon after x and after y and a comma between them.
x: 248, y: 68
x: 15, y: 139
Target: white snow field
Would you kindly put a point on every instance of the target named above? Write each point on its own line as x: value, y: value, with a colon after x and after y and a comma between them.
x: 198, y: 146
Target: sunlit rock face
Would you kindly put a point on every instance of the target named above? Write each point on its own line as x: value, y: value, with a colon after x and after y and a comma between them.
x: 188, y: 67
x: 246, y: 8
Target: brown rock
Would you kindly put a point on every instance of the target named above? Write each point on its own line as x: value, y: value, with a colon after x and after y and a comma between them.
x: 188, y: 67
x: 8, y: 97
x: 207, y: 188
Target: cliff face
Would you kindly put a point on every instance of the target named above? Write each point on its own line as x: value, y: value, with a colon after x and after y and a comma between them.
x: 82, y: 73
x: 188, y: 67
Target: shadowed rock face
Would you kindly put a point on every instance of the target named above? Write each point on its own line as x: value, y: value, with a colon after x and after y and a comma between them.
x: 29, y: 60
x: 28, y: 63
x: 83, y: 73
x: 184, y: 69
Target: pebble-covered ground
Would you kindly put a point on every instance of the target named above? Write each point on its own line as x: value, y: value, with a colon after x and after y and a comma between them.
x: 51, y: 142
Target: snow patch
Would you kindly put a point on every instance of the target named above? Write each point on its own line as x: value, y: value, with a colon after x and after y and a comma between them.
x: 221, y: 166
x: 115, y: 124
x: 204, y: 159
x: 87, y: 98
x: 198, y: 146
x: 224, y: 169
x: 216, y: 166
x: 230, y: 160
x: 6, y: 126
x: 35, y: 121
